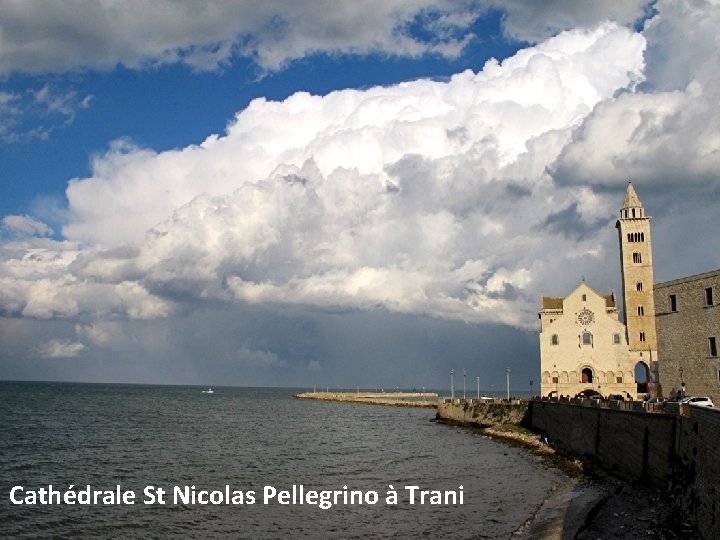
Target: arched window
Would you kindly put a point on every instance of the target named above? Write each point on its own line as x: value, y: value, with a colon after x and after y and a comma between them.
x: 633, y: 212
x: 584, y: 297
x: 616, y: 339
x: 587, y: 375
x: 642, y: 236
x: 638, y: 286
x: 641, y: 310
x: 637, y: 257
x: 587, y: 338
x: 554, y: 340
x: 642, y: 336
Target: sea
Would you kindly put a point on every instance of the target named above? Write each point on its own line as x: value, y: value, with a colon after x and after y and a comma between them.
x: 228, y: 462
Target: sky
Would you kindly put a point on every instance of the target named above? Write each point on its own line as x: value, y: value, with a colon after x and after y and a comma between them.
x: 337, y: 194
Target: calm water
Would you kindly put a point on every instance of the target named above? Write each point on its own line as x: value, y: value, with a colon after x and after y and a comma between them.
x: 135, y: 436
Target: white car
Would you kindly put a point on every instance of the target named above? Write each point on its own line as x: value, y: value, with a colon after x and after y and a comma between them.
x: 699, y: 401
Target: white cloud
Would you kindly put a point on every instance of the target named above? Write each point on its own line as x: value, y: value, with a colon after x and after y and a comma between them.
x: 59, y: 348
x: 491, y: 117
x: 101, y: 333
x: 35, y: 113
x: 37, y: 279
x: 251, y: 358
x: 74, y: 33
x: 461, y: 199
x: 671, y: 132
x: 533, y: 21
x: 405, y: 197
x: 25, y: 226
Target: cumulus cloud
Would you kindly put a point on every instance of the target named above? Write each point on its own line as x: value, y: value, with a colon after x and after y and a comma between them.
x: 424, y: 197
x: 669, y: 133
x: 25, y: 226
x: 36, y: 280
x: 535, y: 21
x: 76, y: 34
x: 59, y: 348
x: 442, y: 198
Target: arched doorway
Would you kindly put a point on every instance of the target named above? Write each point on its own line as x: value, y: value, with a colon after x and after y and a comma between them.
x: 642, y: 377
x: 586, y: 376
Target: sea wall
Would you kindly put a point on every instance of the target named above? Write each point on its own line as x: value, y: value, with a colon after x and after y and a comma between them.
x: 481, y: 412
x: 675, y: 448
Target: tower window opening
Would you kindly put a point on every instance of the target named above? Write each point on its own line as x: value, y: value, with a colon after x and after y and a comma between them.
x: 587, y: 338
x: 638, y: 286
x: 555, y: 339
x: 709, y: 296
x: 637, y: 257
x: 642, y: 336
x: 673, y: 302
x: 633, y: 212
x: 641, y: 310
x: 584, y: 297
x: 712, y: 342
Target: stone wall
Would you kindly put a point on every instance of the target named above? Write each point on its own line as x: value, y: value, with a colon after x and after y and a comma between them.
x: 482, y: 413
x: 679, y: 452
x: 670, y: 446
x: 683, y: 334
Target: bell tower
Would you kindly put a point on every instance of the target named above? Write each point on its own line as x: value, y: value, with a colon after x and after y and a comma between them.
x: 637, y: 276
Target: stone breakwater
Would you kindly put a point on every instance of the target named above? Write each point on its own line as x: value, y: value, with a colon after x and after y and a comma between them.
x: 426, y: 400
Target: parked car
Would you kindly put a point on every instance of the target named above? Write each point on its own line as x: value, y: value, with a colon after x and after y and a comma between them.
x: 699, y: 401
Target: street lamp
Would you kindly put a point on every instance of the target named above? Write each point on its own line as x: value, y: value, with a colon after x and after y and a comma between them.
x: 478, y: 384
x: 452, y: 384
x: 531, y: 394
x: 682, y: 383
x: 464, y: 374
x: 507, y: 375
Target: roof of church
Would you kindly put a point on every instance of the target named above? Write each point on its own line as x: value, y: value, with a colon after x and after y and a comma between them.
x: 631, y: 198
x: 552, y: 302
x: 556, y: 302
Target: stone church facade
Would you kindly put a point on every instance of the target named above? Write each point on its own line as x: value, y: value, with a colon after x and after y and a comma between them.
x: 584, y: 347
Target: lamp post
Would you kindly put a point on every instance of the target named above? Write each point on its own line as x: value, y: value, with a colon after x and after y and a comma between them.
x: 507, y: 375
x: 531, y: 394
x: 452, y: 384
x: 682, y: 383
x: 478, y: 385
x: 464, y: 374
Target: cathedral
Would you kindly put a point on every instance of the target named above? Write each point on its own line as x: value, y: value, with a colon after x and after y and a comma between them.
x: 585, y: 349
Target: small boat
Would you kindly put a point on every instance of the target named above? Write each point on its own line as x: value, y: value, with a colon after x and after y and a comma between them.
x: 208, y: 391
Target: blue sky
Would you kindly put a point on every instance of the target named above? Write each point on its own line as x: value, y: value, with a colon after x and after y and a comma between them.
x: 365, y: 193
